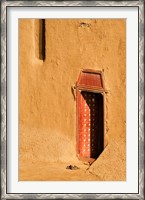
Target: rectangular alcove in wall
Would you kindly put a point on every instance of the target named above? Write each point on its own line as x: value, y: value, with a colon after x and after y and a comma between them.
x: 90, y: 115
x: 40, y: 40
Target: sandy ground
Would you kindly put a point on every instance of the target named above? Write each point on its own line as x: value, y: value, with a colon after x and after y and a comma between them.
x: 99, y: 170
x: 55, y: 172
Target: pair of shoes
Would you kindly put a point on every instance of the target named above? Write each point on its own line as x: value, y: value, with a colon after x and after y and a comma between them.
x: 72, y: 167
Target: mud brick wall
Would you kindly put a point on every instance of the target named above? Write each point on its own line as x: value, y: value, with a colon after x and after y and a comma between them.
x: 47, y: 108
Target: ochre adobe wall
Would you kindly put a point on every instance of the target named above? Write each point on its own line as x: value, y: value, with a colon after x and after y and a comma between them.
x: 47, y: 109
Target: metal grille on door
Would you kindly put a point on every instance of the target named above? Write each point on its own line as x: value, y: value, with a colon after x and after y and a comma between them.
x: 90, y: 117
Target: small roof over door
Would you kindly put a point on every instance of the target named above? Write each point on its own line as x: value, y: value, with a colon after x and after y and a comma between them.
x: 90, y: 80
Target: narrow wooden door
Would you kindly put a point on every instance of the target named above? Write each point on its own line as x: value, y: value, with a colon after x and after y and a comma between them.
x: 90, y: 124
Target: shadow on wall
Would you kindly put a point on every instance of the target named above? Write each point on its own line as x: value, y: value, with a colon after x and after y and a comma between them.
x: 42, y: 39
x: 95, y: 104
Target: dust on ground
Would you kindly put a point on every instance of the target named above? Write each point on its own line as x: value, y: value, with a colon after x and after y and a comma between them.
x: 56, y: 171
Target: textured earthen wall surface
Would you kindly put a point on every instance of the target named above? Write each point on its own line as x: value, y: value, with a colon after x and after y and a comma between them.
x: 47, y: 109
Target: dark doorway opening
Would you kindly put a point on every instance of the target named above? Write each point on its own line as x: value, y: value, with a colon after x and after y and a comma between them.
x: 91, y: 124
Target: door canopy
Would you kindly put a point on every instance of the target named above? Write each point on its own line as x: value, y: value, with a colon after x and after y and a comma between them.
x: 90, y: 80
